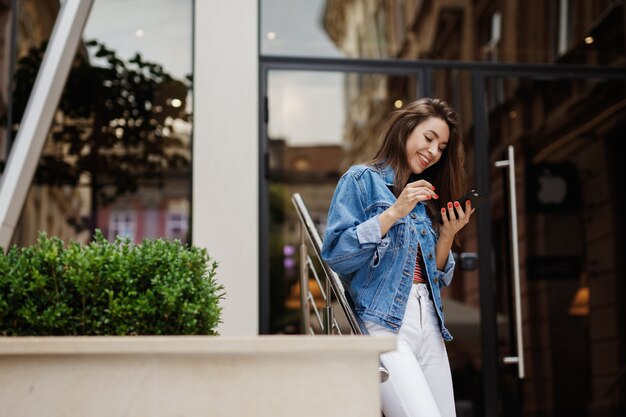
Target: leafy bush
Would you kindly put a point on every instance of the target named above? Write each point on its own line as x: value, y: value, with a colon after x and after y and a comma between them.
x: 104, y: 288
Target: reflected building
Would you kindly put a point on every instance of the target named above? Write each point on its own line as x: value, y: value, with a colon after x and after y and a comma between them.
x: 490, y: 31
x: 46, y: 208
x: 565, y: 133
x: 159, y: 207
x: 118, y: 153
x: 312, y: 171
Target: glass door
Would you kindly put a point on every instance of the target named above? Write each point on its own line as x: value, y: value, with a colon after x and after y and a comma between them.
x: 564, y: 137
x: 561, y: 136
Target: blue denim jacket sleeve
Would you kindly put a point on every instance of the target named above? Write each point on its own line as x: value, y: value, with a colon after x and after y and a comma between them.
x: 351, y: 240
x: 445, y: 276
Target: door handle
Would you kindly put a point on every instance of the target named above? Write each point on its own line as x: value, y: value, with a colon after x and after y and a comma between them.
x: 519, y: 359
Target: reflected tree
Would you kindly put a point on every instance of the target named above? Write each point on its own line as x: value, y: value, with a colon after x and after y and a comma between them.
x: 114, y: 129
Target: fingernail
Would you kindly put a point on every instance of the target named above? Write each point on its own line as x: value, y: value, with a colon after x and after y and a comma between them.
x: 433, y: 188
x: 450, y: 205
x: 443, y: 211
x: 436, y: 196
x: 456, y: 204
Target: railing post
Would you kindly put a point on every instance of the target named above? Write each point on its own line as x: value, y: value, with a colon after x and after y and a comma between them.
x: 328, y: 311
x: 305, y: 320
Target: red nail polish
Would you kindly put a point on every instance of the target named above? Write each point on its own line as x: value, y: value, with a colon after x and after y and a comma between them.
x: 456, y: 204
x: 433, y: 188
x: 443, y: 211
x: 436, y: 196
x: 450, y: 205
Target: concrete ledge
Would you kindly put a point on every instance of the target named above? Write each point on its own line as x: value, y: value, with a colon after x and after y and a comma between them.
x: 191, y: 376
x: 247, y: 345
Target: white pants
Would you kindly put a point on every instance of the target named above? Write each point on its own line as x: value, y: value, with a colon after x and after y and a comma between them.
x: 420, y: 383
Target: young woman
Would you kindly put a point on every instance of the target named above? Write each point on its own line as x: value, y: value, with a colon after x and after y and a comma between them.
x: 381, y: 240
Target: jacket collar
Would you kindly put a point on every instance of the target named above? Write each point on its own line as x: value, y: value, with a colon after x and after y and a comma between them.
x: 388, y: 174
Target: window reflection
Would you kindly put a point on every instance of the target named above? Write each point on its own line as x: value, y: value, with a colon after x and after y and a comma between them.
x: 122, y: 224
x: 295, y: 28
x: 517, y: 31
x: 118, y: 154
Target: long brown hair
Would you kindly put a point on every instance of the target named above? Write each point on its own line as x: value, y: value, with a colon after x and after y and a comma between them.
x: 448, y: 175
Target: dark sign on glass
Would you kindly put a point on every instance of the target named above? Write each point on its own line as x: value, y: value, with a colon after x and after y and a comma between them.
x: 552, y: 188
x: 553, y: 267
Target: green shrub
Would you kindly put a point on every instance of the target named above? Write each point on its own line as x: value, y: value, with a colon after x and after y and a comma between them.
x: 104, y: 288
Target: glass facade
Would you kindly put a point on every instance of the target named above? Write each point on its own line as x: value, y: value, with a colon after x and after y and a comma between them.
x: 295, y: 28
x: 118, y: 153
x: 564, y: 125
x: 565, y: 133
x: 559, y: 31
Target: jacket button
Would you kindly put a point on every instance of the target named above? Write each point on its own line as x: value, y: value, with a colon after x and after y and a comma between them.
x: 430, y: 255
x: 423, y: 232
x: 436, y: 280
x: 413, y: 216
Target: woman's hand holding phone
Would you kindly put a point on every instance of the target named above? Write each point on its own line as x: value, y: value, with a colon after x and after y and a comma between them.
x: 475, y: 199
x: 455, y: 215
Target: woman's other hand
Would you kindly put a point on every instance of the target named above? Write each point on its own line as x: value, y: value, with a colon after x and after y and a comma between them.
x: 413, y: 193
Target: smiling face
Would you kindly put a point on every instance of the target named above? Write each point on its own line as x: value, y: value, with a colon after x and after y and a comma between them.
x: 426, y: 144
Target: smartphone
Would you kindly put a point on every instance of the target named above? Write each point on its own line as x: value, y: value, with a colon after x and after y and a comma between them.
x: 474, y: 196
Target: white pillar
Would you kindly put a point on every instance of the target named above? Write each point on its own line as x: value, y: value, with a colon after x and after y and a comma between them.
x: 225, y: 154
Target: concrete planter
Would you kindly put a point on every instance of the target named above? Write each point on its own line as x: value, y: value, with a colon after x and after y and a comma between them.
x: 191, y: 376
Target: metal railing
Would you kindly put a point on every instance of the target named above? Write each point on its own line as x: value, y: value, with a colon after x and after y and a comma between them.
x: 331, y: 288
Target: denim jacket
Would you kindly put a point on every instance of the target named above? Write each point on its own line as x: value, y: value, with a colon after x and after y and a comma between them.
x: 378, y: 271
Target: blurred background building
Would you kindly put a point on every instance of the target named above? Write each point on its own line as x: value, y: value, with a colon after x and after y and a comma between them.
x: 287, y: 94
